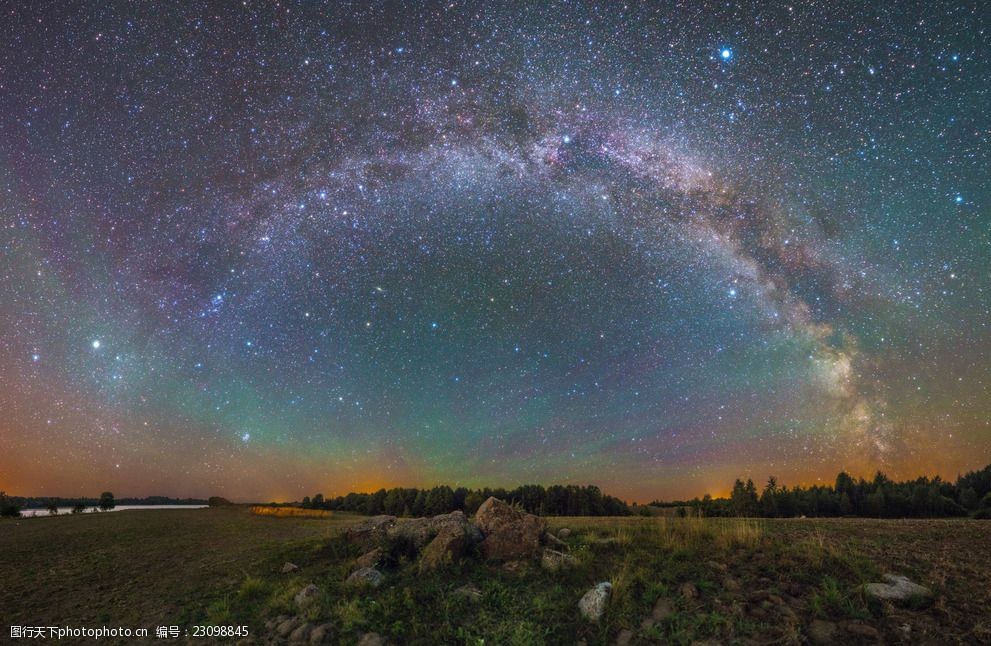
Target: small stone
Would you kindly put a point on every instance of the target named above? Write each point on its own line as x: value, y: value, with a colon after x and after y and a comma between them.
x: 366, y: 576
x: 822, y: 632
x: 624, y: 637
x: 306, y: 596
x: 862, y: 630
x: 593, y: 603
x: 731, y: 585
x: 689, y: 591
x: 553, y: 560
x: 515, y: 567
x: 287, y: 626
x: 469, y: 591
x: 322, y: 634
x: 663, y: 608
x: 288, y: 567
x: 897, y: 588
x: 564, y: 532
x: 301, y: 634
x: 371, y: 639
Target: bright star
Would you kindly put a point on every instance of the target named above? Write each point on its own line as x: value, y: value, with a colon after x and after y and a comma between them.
x: 726, y: 53
x: 96, y: 344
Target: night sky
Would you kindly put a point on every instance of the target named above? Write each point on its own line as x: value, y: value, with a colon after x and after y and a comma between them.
x: 267, y: 249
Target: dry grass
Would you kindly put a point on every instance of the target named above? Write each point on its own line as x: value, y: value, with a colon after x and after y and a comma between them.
x: 668, y: 532
x: 291, y: 512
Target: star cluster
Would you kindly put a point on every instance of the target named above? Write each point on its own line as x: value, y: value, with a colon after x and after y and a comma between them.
x: 264, y: 249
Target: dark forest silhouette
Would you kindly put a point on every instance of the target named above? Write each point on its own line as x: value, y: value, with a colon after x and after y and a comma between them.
x: 879, y: 497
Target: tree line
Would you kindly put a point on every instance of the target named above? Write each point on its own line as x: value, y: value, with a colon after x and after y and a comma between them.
x: 12, y: 506
x: 556, y: 500
x: 879, y: 497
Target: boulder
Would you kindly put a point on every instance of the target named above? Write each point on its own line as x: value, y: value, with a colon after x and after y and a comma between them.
x: 447, y: 546
x: 307, y: 595
x: 509, y: 533
x: 366, y: 576
x: 564, y: 532
x: 369, y: 531
x: 553, y: 560
x: 551, y: 539
x: 288, y: 567
x: 421, y: 531
x: 370, y: 559
x: 897, y: 588
x: 593, y: 604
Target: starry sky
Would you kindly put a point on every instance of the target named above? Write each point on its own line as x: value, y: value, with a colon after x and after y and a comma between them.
x: 264, y: 249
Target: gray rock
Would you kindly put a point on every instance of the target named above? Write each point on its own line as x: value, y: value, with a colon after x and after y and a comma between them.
x: 366, y: 576
x: 421, y: 531
x: 551, y: 539
x: 510, y: 534
x: 307, y: 595
x: 564, y: 532
x: 288, y: 567
x: 370, y: 530
x: 287, y: 626
x: 822, y: 632
x: 371, y: 639
x: 553, y: 560
x: 897, y: 588
x: 593, y: 604
x: 447, y: 546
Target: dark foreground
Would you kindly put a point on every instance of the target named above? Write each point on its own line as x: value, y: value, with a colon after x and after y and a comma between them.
x: 674, y: 581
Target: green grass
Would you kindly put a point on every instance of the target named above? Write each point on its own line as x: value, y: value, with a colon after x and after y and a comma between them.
x: 222, y: 566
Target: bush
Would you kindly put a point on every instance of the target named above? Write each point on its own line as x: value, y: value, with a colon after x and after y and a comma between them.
x: 9, y: 508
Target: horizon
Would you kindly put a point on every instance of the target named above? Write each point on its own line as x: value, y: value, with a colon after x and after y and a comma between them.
x: 724, y: 493
x: 278, y: 251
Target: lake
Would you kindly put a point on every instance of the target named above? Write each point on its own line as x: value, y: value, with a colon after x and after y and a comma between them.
x: 38, y: 513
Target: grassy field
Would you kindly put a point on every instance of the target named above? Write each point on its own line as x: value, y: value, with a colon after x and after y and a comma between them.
x: 724, y: 580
